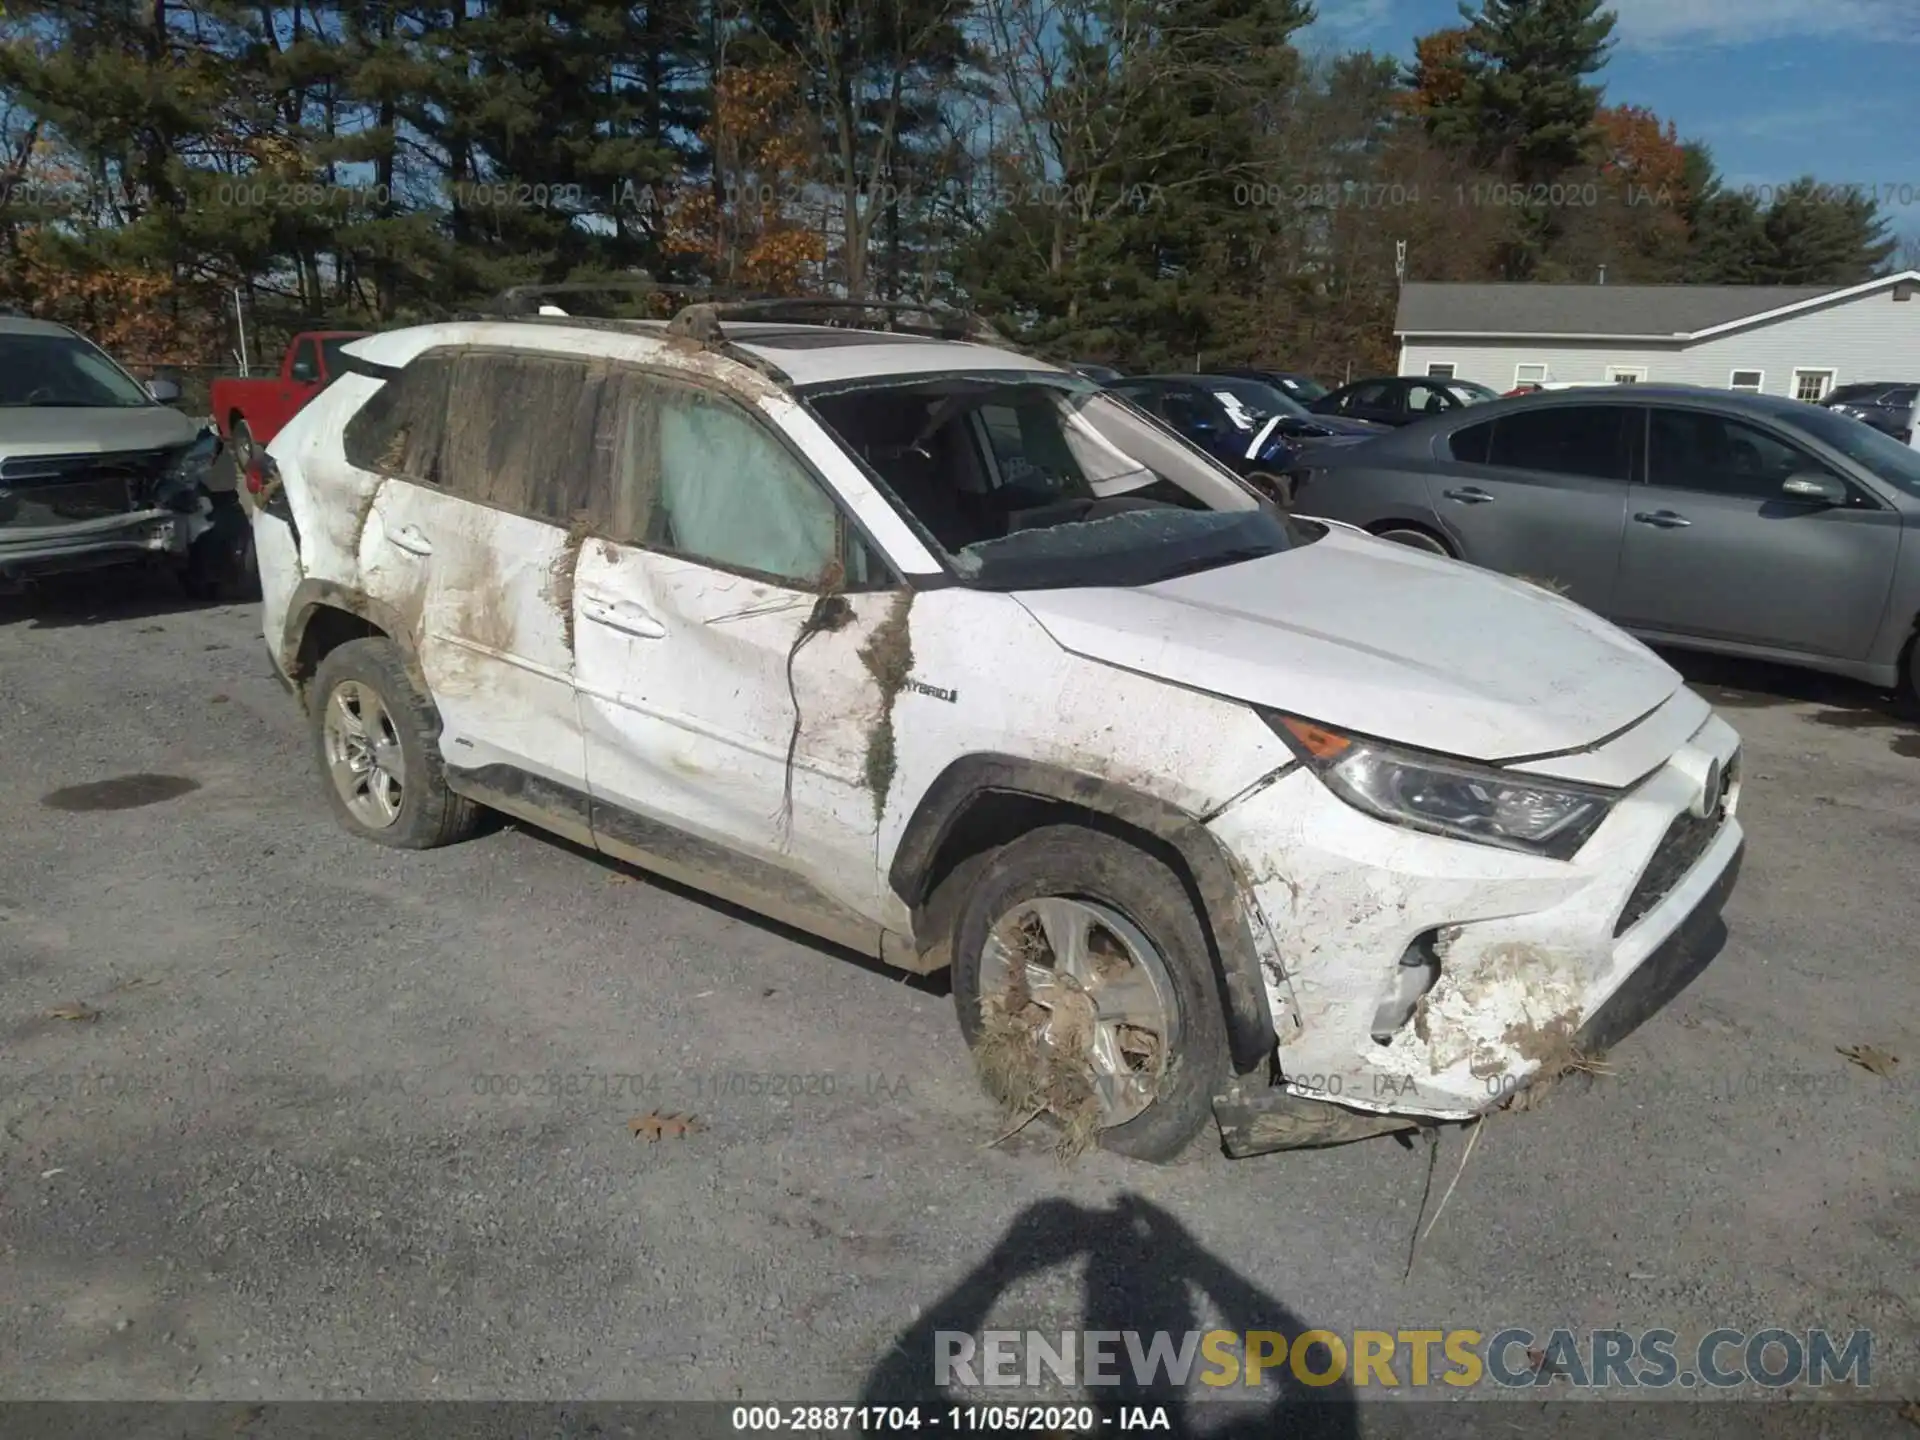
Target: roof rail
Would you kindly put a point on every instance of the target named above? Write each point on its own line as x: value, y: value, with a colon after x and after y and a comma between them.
x: 524, y: 299
x: 942, y: 322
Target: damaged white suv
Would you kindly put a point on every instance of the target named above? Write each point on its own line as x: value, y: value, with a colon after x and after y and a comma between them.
x: 928, y: 647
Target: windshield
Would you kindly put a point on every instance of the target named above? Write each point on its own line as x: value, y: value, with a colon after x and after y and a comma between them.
x: 1305, y: 387
x: 1470, y: 392
x: 1253, y: 397
x: 1041, y: 480
x: 1879, y: 452
x: 64, y: 372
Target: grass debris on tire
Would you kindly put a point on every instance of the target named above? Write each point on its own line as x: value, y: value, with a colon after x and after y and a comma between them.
x: 1085, y: 987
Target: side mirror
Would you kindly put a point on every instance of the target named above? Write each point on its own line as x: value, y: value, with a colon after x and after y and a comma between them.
x: 1815, y: 488
x: 165, y: 391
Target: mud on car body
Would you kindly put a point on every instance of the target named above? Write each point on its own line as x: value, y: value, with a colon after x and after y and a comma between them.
x: 930, y: 648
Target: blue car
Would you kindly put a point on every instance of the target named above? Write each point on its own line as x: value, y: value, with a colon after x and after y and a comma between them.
x: 1248, y: 425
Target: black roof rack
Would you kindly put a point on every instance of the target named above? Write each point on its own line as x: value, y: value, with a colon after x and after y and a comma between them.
x: 940, y: 321
x: 937, y: 320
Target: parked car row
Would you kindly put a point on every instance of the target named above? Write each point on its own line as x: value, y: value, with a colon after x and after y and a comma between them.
x: 1886, y: 405
x: 1252, y: 427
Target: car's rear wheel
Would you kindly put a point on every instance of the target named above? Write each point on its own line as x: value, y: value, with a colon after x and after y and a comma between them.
x: 241, y: 442
x: 1082, y: 978
x: 377, y: 740
x: 1415, y: 539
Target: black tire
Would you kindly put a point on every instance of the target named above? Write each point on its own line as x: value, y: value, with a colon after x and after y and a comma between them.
x: 1277, y: 488
x: 220, y: 565
x: 1073, y: 862
x: 429, y: 814
x: 1415, y: 537
x: 241, y: 443
x: 1912, y: 672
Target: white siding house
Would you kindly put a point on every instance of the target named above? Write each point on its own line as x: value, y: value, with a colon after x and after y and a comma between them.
x: 1781, y: 340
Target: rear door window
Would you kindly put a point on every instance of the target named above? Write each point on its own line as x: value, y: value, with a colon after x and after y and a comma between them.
x: 1473, y: 444
x: 533, y: 436
x: 1590, y: 440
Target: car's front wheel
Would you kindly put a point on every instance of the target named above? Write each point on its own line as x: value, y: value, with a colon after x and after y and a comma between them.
x: 377, y: 741
x: 1082, y: 978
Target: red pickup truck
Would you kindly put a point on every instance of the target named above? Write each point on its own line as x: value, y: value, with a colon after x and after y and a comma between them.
x: 250, y: 412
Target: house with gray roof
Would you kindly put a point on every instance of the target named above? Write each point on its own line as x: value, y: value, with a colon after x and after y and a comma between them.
x: 1778, y: 340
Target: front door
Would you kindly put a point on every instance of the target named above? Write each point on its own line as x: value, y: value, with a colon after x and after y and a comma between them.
x: 1543, y: 494
x: 729, y: 628
x: 1716, y: 550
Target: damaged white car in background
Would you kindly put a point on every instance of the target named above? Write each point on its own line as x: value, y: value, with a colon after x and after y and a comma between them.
x: 1215, y: 813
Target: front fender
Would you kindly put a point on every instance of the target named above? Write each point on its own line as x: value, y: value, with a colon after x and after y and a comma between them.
x: 1221, y: 894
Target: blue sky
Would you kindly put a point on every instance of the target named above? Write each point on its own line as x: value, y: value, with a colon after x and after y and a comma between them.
x: 1777, y: 88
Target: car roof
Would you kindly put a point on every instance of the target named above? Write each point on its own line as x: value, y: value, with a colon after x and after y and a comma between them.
x: 1418, y: 437
x: 807, y: 355
x: 27, y: 325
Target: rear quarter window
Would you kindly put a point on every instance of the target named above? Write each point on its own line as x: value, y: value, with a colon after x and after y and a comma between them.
x: 399, y: 428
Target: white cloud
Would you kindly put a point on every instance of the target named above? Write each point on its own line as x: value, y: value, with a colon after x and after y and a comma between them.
x: 1668, y: 24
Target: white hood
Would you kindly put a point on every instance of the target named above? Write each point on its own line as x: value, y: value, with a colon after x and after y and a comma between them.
x: 1365, y: 635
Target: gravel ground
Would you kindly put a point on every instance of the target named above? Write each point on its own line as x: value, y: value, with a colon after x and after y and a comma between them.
x: 352, y: 1123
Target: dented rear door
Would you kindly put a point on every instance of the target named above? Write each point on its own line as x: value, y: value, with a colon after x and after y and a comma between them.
x: 476, y: 547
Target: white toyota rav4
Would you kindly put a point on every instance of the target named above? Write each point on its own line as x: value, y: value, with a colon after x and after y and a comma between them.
x: 940, y: 652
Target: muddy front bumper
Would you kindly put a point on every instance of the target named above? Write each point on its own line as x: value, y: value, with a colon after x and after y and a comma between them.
x: 110, y: 540
x: 1257, y: 1116
x: 1532, y: 965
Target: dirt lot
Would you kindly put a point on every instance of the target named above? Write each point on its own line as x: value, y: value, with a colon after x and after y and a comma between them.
x: 355, y: 1123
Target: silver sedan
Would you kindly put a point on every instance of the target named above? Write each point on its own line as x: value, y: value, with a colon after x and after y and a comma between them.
x: 1746, y: 524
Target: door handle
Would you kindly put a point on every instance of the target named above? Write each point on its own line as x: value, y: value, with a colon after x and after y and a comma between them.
x: 622, y: 615
x: 413, y: 540
x: 1664, y: 519
x: 1472, y: 495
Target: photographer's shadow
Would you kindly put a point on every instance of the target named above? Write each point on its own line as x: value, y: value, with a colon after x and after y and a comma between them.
x: 1142, y: 1270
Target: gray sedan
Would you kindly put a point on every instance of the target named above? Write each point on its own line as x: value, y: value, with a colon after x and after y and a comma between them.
x: 1746, y: 524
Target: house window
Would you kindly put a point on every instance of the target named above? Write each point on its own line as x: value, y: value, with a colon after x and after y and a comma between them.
x: 1440, y: 370
x: 1812, y: 385
x: 1529, y: 374
x: 1626, y: 374
x: 1749, y: 381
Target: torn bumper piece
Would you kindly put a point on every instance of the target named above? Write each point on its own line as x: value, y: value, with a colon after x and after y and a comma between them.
x: 1258, y: 1118
x: 109, y: 540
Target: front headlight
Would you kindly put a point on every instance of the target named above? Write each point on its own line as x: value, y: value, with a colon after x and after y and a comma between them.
x: 194, y: 462
x: 1448, y: 797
